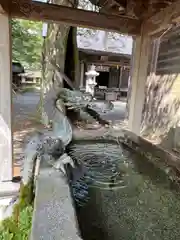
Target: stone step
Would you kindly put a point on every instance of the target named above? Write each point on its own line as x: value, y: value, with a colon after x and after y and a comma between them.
x: 8, y: 192
x: 8, y: 189
x: 6, y: 206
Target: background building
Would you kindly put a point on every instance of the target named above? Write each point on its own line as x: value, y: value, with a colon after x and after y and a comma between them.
x: 111, y: 54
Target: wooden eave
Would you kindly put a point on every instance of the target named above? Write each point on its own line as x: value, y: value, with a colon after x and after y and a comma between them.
x: 163, y: 20
x: 103, y: 53
x: 39, y: 11
x: 156, y: 16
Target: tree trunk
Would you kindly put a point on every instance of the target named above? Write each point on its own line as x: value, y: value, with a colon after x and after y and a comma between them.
x: 60, y: 48
x: 71, y: 68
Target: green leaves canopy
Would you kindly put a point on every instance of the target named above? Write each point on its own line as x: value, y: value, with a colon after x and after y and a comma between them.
x: 27, y: 43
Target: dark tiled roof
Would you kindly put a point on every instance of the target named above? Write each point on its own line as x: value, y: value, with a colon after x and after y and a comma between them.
x: 100, y: 42
x: 17, y: 67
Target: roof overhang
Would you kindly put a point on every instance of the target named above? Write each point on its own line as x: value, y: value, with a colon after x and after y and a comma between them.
x: 153, y: 16
x: 103, y: 53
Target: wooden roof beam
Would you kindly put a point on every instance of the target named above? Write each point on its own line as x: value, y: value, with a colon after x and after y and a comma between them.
x: 163, y: 20
x: 39, y: 11
x: 5, y: 5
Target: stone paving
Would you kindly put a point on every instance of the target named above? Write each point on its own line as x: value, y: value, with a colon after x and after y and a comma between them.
x: 24, y: 124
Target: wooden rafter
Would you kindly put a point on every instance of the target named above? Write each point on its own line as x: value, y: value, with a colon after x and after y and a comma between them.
x: 113, y: 7
x: 39, y: 11
x: 164, y: 19
x: 5, y: 5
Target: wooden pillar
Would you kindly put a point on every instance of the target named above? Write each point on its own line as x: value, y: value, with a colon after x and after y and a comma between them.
x: 120, y: 76
x: 154, y: 55
x: 5, y: 100
x: 82, y: 75
x: 138, y: 81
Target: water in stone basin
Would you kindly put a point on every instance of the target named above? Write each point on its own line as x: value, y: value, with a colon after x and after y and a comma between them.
x: 141, y: 203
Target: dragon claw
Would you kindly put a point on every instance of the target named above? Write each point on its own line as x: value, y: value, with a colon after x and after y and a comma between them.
x: 63, y: 160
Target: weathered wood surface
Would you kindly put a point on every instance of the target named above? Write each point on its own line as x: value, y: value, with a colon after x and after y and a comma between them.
x: 138, y: 80
x: 158, y: 15
x: 162, y: 103
x: 164, y: 19
x: 168, y: 58
x: 5, y: 101
x: 39, y: 11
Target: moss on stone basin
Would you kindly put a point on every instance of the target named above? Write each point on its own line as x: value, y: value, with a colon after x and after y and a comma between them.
x: 18, y: 226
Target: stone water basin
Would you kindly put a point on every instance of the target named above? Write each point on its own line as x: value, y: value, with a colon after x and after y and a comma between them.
x: 142, y: 202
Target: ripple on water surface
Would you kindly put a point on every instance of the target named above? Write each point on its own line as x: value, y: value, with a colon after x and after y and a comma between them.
x: 141, y: 203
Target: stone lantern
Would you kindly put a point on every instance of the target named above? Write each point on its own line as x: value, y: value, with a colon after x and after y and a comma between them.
x: 91, y: 80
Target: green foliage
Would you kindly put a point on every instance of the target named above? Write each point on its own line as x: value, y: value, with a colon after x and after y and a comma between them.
x: 26, y: 195
x: 27, y: 43
x: 12, y: 230
x: 17, y: 227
